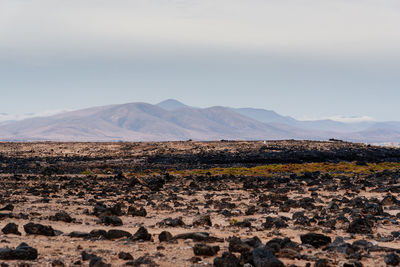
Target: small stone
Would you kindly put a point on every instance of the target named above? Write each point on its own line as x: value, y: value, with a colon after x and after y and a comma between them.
x: 22, y: 252
x: 39, y: 229
x: 61, y: 216
x: 392, y: 259
x: 316, y: 240
x: 141, y: 234
x: 11, y: 228
x: 227, y: 260
x: 57, y: 263
x: 203, y: 220
x: 165, y: 236
x: 111, y: 220
x: 321, y: 263
x: 205, y: 250
x: 115, y: 234
x: 125, y: 256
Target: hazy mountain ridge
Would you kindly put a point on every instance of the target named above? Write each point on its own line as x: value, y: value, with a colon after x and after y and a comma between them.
x: 173, y: 120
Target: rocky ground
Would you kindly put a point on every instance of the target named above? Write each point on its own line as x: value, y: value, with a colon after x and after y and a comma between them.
x: 288, y: 203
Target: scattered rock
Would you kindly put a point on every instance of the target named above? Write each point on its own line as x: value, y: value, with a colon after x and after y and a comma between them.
x: 392, y: 259
x: 172, y: 222
x: 110, y: 220
x: 360, y: 226
x: 137, y: 212
x: 39, y: 229
x: 203, y: 220
x: 79, y: 234
x: 145, y: 260
x: 264, y: 258
x: 57, y: 263
x: 61, y: 216
x: 164, y: 236
x: 9, y: 207
x: 98, y: 262
x: 141, y: 234
x: 198, y: 237
x: 22, y: 252
x: 11, y: 228
x: 321, y: 263
x: 227, y: 260
x: 237, y: 245
x: 271, y: 222
x: 115, y: 234
x: 125, y: 256
x: 315, y: 240
x: 205, y: 250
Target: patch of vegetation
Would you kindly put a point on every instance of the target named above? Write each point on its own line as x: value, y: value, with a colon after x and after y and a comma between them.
x: 87, y: 172
x: 269, y: 170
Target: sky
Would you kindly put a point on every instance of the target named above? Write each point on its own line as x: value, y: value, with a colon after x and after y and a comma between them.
x: 302, y: 58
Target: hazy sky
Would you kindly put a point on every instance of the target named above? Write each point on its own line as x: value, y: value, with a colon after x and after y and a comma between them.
x: 303, y: 58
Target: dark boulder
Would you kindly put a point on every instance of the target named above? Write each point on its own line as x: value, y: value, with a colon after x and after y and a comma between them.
x: 57, y: 263
x: 199, y: 237
x: 164, y: 236
x: 39, y: 229
x: 172, y: 222
x: 155, y: 183
x: 264, y: 258
x: 137, y: 212
x: 98, y: 262
x: 142, y: 261
x: 276, y: 244
x: 25, y: 252
x: 373, y: 209
x: 11, y: 228
x: 61, y: 216
x: 203, y: 220
x: 22, y: 252
x: 97, y: 233
x: 125, y: 256
x: 321, y: 263
x: 141, y: 234
x: 392, y: 259
x: 360, y: 226
x: 111, y: 220
x: 315, y: 240
x: 271, y: 222
x: 8, y: 207
x: 87, y: 256
x: 237, y: 245
x: 78, y: 234
x: 205, y: 250
x: 115, y: 234
x: 353, y: 264
x: 227, y: 260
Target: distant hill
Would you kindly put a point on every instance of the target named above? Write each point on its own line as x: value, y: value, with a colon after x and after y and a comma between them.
x: 270, y: 116
x: 173, y: 120
x: 266, y: 116
x: 142, y: 122
x: 171, y: 104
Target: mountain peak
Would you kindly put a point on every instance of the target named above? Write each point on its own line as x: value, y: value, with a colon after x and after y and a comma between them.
x: 171, y: 104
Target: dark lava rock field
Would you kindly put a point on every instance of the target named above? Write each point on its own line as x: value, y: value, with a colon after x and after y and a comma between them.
x: 226, y: 203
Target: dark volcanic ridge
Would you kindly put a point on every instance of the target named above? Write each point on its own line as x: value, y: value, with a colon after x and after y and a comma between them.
x: 76, y: 157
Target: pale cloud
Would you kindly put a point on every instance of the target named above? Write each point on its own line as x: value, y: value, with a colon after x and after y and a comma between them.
x: 342, y: 118
x: 17, y: 117
x: 363, y: 28
x: 297, y: 57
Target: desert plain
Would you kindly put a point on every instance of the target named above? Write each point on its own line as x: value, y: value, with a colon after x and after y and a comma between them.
x: 223, y: 203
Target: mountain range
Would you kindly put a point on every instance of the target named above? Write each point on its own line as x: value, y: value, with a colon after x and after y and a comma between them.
x: 172, y: 120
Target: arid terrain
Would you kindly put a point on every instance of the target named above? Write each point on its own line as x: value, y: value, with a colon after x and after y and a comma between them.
x: 279, y: 203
